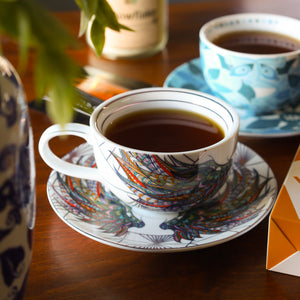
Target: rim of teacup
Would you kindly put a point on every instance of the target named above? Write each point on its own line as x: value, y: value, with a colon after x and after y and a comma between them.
x: 232, y: 132
x: 257, y: 18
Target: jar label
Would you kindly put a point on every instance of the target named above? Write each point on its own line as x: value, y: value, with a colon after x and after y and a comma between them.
x: 146, y: 18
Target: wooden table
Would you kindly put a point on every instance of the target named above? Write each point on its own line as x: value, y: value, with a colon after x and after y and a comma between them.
x: 68, y: 265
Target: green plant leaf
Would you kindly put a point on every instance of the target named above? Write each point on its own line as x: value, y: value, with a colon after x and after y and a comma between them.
x: 24, y: 39
x: 108, y: 17
x: 54, y: 71
x: 98, y: 36
x: 84, y: 22
x: 88, y: 6
x: 101, y: 11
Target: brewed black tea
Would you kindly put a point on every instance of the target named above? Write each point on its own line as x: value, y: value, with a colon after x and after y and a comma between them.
x: 257, y: 42
x: 164, y: 130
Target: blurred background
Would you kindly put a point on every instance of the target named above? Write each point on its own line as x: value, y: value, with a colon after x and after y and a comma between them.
x: 59, y: 5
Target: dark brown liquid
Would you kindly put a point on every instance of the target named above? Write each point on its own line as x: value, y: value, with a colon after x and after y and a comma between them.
x: 256, y: 42
x: 164, y: 130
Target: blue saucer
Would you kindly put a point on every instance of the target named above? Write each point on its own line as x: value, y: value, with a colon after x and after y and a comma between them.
x: 280, y: 124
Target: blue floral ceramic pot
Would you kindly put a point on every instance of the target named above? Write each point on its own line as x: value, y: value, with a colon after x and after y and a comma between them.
x: 17, y: 185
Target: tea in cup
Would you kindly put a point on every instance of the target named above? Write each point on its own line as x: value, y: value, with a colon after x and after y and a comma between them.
x: 162, y: 149
x: 252, y: 61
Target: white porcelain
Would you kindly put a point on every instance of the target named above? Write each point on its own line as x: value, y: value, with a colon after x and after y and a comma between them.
x: 243, y: 202
x: 146, y: 179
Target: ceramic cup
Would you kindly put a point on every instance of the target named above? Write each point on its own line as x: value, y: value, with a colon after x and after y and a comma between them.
x: 159, y: 181
x: 17, y: 185
x: 255, y: 83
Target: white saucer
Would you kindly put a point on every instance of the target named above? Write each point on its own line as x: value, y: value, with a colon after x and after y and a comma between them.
x: 246, y: 199
x: 282, y: 123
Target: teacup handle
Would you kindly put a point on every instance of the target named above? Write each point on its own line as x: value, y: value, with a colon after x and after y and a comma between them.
x: 59, y: 164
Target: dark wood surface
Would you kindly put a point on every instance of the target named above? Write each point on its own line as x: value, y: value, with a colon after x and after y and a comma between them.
x: 67, y: 265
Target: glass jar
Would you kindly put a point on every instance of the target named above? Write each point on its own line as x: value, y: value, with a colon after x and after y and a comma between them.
x: 149, y: 21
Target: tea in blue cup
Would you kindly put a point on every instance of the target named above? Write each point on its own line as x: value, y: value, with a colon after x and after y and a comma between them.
x: 252, y: 60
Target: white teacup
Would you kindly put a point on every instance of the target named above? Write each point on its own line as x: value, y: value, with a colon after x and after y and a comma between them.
x: 160, y: 181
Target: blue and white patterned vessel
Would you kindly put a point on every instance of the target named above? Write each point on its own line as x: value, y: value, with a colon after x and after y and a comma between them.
x: 257, y: 83
x: 282, y: 123
x: 17, y: 186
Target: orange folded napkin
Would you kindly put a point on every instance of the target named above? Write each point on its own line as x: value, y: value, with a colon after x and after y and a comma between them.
x: 283, y: 253
x: 97, y: 86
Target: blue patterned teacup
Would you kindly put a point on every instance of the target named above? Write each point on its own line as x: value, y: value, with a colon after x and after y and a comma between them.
x: 256, y: 83
x: 160, y: 181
